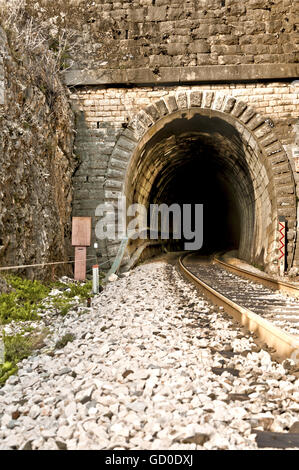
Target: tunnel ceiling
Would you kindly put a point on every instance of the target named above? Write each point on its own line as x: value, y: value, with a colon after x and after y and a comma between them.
x: 211, y: 142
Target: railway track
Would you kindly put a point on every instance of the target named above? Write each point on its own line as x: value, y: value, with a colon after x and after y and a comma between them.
x: 264, y: 305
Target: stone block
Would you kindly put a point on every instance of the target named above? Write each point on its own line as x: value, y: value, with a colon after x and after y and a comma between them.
x: 285, y: 189
x: 268, y: 139
x: 136, y: 14
x: 208, y: 97
x: 239, y: 108
x: 282, y: 179
x: 218, y: 102
x: 125, y: 143
x: 274, y: 148
x: 171, y: 103
x: 286, y: 200
x: 146, y: 117
x: 263, y: 131
x: 199, y: 47
x: 203, y: 59
x: 229, y: 105
x: 182, y: 100
x: 279, y: 158
x: 195, y: 98
x: 112, y: 195
x: 257, y: 121
x: 113, y: 184
x: 176, y: 49
x: 152, y: 112
x: 286, y: 211
x: 162, y: 108
x: 248, y: 114
x: 280, y: 169
x: 121, y: 154
x: 118, y: 164
x: 114, y: 173
x: 155, y: 13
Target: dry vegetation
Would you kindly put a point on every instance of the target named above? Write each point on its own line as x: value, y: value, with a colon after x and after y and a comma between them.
x: 60, y: 27
x: 40, y: 40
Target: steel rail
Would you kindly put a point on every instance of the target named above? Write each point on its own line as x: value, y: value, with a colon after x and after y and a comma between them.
x: 285, y: 287
x: 285, y: 344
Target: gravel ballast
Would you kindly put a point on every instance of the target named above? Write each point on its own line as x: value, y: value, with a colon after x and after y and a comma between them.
x: 153, y: 366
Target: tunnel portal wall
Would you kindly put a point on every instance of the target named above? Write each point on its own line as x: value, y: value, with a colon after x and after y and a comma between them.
x: 114, y: 122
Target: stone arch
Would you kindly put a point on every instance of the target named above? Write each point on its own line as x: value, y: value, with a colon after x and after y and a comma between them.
x: 265, y: 157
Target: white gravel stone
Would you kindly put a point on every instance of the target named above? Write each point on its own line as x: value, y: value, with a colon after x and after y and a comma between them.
x: 70, y: 409
x: 34, y: 411
x: 65, y: 432
x: 138, y: 375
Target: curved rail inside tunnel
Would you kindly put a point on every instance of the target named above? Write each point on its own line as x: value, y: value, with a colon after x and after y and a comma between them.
x: 207, y: 156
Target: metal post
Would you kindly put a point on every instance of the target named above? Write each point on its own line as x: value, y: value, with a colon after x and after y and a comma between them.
x: 95, y: 279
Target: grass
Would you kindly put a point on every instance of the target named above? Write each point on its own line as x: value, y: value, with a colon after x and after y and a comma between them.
x: 67, y: 338
x: 23, y: 301
x: 18, y: 347
x: 70, y: 294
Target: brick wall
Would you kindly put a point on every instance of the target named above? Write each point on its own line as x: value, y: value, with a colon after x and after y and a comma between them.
x: 103, y: 114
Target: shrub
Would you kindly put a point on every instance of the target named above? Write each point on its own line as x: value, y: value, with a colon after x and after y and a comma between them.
x: 83, y: 291
x: 67, y: 338
x: 65, y: 301
x: 62, y: 304
x: 19, y: 347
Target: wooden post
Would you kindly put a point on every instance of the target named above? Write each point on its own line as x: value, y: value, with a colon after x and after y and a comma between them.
x: 80, y: 263
x: 81, y: 238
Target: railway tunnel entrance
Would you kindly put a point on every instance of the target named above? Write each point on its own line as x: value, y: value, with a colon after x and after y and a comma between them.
x: 198, y: 160
x: 197, y: 168
x: 205, y: 156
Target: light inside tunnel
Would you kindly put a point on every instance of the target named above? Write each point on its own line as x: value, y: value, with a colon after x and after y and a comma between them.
x: 197, y: 157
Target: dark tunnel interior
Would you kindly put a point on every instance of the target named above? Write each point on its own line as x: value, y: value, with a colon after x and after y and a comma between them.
x: 200, y: 181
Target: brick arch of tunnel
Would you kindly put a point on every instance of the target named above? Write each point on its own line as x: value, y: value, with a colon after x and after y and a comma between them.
x: 212, y: 149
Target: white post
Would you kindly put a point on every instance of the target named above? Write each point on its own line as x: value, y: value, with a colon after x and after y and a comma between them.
x: 95, y: 279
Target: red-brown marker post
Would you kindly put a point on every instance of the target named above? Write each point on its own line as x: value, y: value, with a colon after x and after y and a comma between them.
x: 81, y: 238
x: 282, y: 244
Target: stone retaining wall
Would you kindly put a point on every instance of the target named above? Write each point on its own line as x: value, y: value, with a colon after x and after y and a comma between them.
x: 162, y: 33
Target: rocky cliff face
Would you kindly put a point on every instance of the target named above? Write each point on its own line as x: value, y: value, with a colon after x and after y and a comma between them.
x: 36, y: 165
